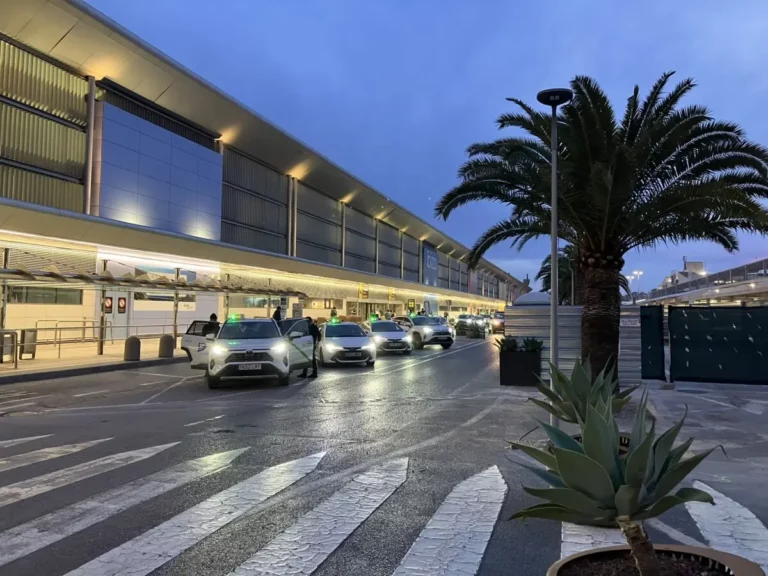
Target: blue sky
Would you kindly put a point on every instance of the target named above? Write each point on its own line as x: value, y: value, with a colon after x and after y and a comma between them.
x: 394, y: 91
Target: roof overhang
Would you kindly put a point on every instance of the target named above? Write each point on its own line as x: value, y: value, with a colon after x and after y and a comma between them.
x: 23, y: 219
x: 72, y: 32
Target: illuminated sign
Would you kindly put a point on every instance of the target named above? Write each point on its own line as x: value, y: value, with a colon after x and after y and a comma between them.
x: 430, y: 265
x: 362, y: 292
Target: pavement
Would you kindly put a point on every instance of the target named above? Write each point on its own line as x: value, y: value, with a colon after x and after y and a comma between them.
x: 398, y: 469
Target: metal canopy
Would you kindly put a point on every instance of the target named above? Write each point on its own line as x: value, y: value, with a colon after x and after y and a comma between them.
x: 72, y: 32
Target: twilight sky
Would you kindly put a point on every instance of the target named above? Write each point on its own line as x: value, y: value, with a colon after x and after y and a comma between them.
x: 395, y: 90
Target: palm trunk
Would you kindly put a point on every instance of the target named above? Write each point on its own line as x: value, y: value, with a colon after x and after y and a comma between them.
x: 601, y: 310
x: 642, y: 550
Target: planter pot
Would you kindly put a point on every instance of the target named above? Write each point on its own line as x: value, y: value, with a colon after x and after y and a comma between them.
x: 519, y: 368
x: 720, y: 562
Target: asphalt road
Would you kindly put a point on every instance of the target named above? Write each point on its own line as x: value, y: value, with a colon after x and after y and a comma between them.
x: 401, y: 469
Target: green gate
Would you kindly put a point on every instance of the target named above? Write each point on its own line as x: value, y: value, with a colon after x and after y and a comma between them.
x: 652, y: 342
x: 719, y: 344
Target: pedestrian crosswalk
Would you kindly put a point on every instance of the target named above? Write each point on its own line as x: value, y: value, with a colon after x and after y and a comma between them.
x: 454, y: 540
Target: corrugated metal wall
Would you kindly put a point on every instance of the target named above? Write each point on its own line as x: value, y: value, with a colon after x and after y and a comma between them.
x: 360, y: 241
x: 34, y: 257
x: 455, y: 280
x: 39, y: 84
x: 37, y: 141
x: 533, y: 322
x: 389, y: 250
x: 152, y: 115
x: 443, y: 266
x: 35, y: 188
x: 410, y: 259
x: 254, y: 208
x: 318, y: 226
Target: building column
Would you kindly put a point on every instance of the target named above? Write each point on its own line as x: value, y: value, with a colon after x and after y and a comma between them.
x: 421, y: 263
x: 102, y: 315
x: 176, y: 308
x: 4, y: 295
x: 376, y: 221
x: 402, y: 255
x: 295, y: 215
x: 343, y: 233
x: 89, y: 136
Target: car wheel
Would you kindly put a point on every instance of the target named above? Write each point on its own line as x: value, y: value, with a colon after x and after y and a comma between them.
x: 446, y: 346
x: 370, y: 362
x: 417, y: 343
x: 283, y: 380
x: 213, y: 381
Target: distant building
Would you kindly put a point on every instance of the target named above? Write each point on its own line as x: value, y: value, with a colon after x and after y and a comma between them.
x: 690, y: 271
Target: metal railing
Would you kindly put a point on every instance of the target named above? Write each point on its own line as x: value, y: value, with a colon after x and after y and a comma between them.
x: 101, y: 335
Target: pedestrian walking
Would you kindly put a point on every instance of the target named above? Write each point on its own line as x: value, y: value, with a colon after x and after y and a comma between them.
x: 212, y: 326
x: 314, y: 331
x: 278, y: 315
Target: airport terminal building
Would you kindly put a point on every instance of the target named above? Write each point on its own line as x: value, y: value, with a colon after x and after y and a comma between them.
x: 130, y: 186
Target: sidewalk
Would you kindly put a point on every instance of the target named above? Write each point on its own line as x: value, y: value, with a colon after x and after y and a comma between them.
x: 82, y: 358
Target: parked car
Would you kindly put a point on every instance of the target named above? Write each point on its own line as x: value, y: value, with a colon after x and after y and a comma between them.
x: 345, y: 343
x: 426, y: 331
x: 497, y: 322
x: 389, y: 336
x: 252, y: 348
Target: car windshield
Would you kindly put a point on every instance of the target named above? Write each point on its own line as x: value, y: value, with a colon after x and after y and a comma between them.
x: 343, y: 331
x: 248, y: 330
x: 425, y: 321
x: 464, y: 316
x: 499, y: 315
x: 385, y: 327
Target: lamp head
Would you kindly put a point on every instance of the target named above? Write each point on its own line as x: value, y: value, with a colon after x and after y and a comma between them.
x: 554, y: 97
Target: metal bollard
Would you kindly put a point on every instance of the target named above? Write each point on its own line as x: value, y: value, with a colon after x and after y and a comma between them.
x: 132, y: 351
x: 167, y: 344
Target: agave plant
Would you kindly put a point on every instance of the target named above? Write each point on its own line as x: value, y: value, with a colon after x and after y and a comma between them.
x: 532, y: 345
x: 592, y: 483
x: 507, y: 344
x: 571, y: 397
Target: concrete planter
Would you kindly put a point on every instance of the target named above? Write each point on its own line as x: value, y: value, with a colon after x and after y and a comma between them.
x: 727, y: 564
x: 519, y: 368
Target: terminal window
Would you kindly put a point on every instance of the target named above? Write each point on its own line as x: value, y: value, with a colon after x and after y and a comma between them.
x: 27, y: 295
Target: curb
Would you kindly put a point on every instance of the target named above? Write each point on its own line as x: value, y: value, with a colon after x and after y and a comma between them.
x: 84, y: 370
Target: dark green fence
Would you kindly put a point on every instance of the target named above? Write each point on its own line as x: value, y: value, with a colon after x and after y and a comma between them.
x: 719, y: 344
x: 652, y: 342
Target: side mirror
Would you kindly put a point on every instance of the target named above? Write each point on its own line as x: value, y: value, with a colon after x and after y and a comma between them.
x: 210, y: 337
x: 295, y: 334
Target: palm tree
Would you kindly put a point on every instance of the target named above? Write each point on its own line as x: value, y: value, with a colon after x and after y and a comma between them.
x: 664, y: 173
x: 567, y: 266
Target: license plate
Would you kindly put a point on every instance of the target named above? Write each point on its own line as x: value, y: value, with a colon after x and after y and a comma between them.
x: 249, y: 367
x: 395, y: 345
x: 354, y: 354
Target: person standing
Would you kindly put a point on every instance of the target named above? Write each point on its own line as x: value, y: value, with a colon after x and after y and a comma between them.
x: 314, y: 331
x: 212, y: 326
x: 278, y: 315
x: 334, y: 313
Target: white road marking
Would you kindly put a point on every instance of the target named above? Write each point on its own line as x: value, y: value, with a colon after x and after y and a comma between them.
x: 575, y: 538
x: 12, y: 394
x: 154, y: 383
x: 34, y: 486
x: 731, y: 406
x: 164, y: 390
x: 8, y: 443
x: 161, y: 544
x: 151, y: 374
x: 454, y: 540
x: 90, y: 393
x: 19, y: 460
x: 46, y: 530
x: 308, y: 542
x: 730, y: 527
x: 204, y: 421
x: 20, y: 405
x: 35, y: 398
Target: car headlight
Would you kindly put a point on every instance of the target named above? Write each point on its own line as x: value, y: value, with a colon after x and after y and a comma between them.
x: 280, y: 348
x: 427, y: 330
x: 370, y: 347
x: 333, y: 347
x: 408, y: 338
x: 219, y: 350
x: 379, y: 339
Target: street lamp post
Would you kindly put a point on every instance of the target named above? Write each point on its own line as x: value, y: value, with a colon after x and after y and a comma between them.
x: 554, y: 97
x: 637, y: 274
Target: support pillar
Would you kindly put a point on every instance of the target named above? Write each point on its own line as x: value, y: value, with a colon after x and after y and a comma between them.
x: 343, y: 233
x: 4, y: 291
x: 102, y: 315
x: 176, y: 308
x: 376, y: 222
x: 89, y: 137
